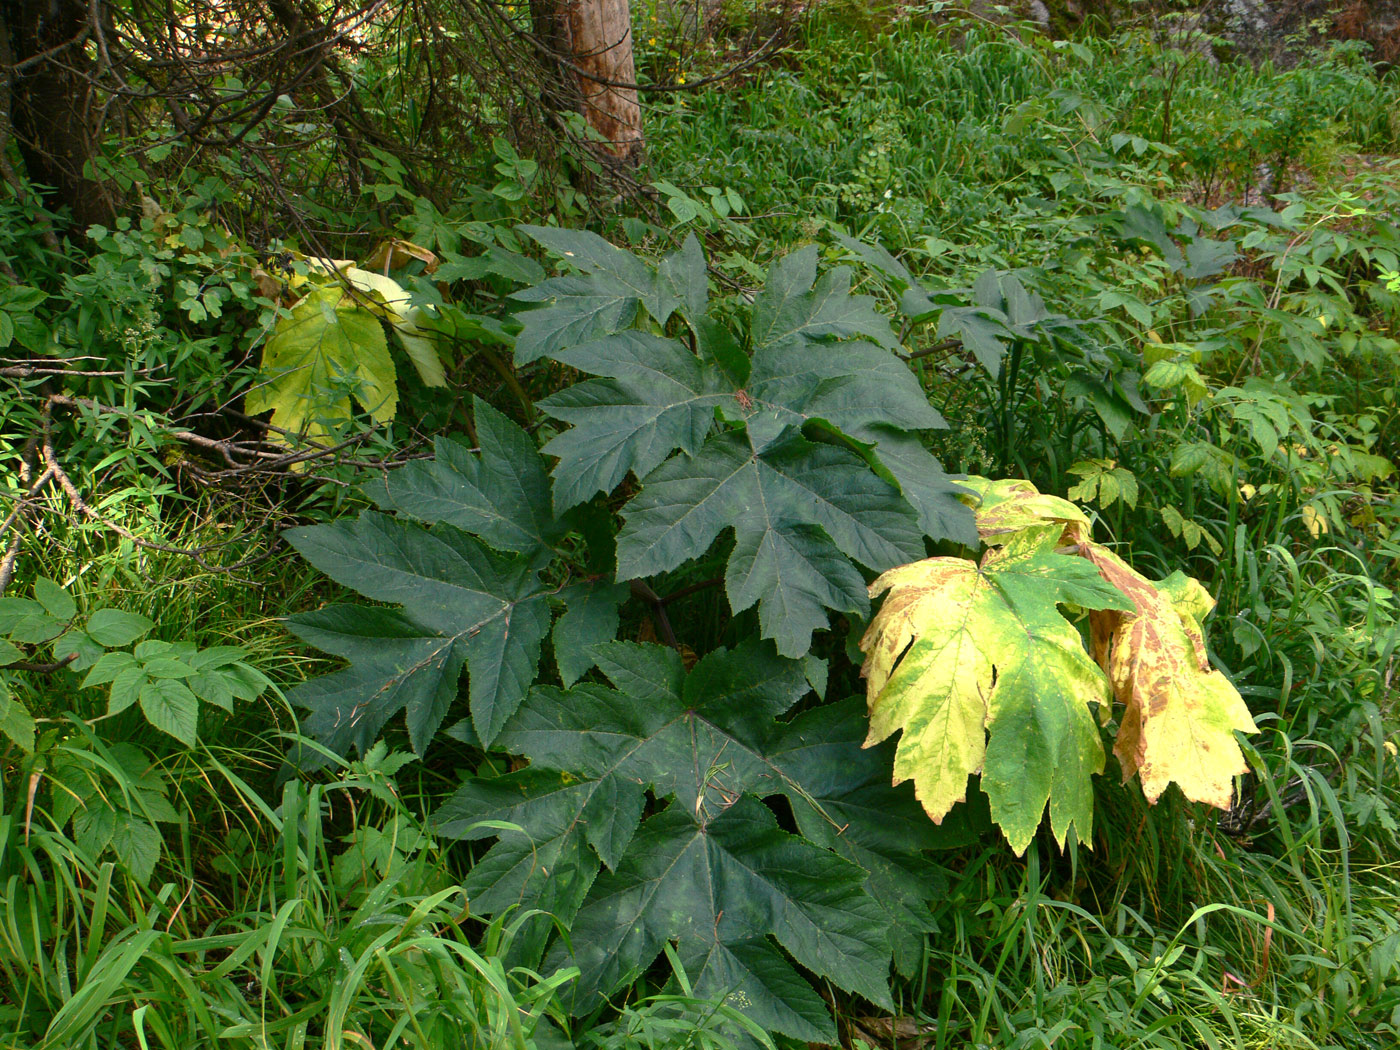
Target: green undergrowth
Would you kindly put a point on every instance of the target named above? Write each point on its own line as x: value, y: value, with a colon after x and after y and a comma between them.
x: 1154, y: 282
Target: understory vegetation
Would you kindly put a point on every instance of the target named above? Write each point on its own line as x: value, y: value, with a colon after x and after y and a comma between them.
x: 916, y: 571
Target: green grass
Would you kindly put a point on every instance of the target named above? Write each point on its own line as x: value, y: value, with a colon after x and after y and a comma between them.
x: 321, y: 912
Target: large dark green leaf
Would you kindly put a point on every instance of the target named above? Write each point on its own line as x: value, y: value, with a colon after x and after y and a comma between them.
x: 577, y: 309
x: 712, y: 871
x: 718, y: 440
x: 473, y: 600
x: 395, y: 665
x: 459, y: 590
x: 678, y: 283
x: 657, y: 398
x: 500, y: 494
x: 800, y: 512
x: 720, y: 886
x: 790, y: 311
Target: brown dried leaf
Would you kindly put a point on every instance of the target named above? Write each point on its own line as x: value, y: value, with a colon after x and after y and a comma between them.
x: 395, y: 254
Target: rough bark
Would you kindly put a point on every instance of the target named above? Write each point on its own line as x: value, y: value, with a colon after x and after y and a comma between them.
x: 591, y: 45
x: 51, y: 102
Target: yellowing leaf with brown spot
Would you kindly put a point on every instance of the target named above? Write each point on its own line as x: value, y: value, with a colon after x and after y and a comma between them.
x: 979, y: 671
x: 1180, y: 714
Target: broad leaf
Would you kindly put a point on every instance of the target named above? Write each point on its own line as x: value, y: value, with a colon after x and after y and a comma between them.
x: 328, y: 350
x: 467, y: 601
x: 590, y: 619
x: 578, y: 309
x: 979, y: 671
x: 933, y: 670
x: 16, y: 723
x: 112, y: 627
x: 169, y: 705
x: 657, y: 398
x: 801, y: 512
x: 500, y: 493
x: 722, y: 440
x: 1181, y: 715
x: 791, y: 311
x: 711, y: 871
x: 471, y: 588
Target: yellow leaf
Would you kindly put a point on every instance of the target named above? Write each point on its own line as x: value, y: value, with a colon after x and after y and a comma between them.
x: 395, y: 254
x: 1008, y: 506
x: 1314, y: 522
x: 978, y: 670
x: 1180, y: 714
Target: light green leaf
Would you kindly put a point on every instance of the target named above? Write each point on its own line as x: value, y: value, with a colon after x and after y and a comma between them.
x: 169, y: 705
x: 978, y: 669
x: 125, y: 688
x: 57, y: 602
x: 137, y: 845
x: 326, y: 352
x: 15, y: 720
x: 107, y: 668
x: 113, y: 628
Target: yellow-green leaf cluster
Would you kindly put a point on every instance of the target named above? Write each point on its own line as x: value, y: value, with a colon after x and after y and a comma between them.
x: 326, y: 351
x: 979, y: 668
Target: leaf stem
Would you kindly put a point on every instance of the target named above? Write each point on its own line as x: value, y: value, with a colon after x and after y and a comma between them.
x: 686, y: 592
x: 642, y: 591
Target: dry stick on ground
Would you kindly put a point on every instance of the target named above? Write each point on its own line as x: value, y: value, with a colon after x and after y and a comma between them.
x: 75, y: 498
x: 244, y: 458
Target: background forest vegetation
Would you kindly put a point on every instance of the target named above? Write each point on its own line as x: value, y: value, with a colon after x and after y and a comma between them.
x: 345, y: 347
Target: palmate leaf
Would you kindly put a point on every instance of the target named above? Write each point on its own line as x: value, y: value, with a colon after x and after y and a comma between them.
x: 804, y: 514
x: 712, y: 871
x: 499, y: 493
x: 980, y: 671
x: 328, y: 350
x: 614, y: 286
x: 471, y: 590
x: 800, y: 512
x: 459, y: 592
x: 1180, y: 715
x: 937, y: 668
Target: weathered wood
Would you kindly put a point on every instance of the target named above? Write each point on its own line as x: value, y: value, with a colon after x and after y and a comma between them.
x: 592, y: 41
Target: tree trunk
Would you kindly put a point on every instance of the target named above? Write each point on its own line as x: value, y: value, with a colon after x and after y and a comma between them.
x: 591, y: 43
x: 43, y: 49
